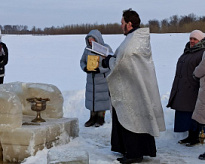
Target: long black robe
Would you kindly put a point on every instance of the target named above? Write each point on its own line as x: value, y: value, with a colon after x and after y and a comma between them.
x: 133, y: 145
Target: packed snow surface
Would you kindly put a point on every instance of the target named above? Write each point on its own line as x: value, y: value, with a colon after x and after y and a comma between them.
x: 56, y: 60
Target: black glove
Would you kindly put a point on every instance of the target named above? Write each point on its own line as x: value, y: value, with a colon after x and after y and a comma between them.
x: 85, y: 69
x: 97, y: 70
x: 105, y: 62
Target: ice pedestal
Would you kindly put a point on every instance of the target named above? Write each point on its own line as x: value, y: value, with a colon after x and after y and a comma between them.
x: 19, y: 137
x: 54, y: 108
x: 10, y: 111
x: 20, y: 143
x: 67, y: 156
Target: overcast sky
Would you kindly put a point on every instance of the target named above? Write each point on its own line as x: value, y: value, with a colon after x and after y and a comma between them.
x: 47, y: 13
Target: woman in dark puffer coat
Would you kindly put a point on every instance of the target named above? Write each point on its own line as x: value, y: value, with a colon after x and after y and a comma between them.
x: 97, y: 98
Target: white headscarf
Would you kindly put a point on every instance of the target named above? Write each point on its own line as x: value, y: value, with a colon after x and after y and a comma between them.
x: 199, y: 35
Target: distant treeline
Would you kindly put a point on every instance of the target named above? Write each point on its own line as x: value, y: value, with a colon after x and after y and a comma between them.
x: 174, y: 24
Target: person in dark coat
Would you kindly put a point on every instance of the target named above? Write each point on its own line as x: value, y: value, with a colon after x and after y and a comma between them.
x: 3, y: 59
x: 185, y: 88
x: 97, y: 98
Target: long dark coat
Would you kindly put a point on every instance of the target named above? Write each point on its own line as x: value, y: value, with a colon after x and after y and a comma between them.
x: 185, y: 88
x: 97, y: 96
x: 3, y: 58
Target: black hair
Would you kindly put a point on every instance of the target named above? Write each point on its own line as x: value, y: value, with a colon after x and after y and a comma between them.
x: 132, y: 16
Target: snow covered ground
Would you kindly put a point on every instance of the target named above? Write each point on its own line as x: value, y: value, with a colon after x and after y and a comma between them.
x: 55, y: 60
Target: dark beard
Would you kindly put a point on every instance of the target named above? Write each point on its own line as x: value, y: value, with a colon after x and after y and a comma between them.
x: 125, y: 30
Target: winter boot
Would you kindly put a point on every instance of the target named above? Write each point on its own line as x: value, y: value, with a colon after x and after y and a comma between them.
x: 186, y: 140
x: 202, y: 156
x: 92, y: 119
x: 194, y: 138
x: 100, y: 118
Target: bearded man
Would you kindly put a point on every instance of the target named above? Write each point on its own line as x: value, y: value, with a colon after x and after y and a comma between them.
x: 137, y: 115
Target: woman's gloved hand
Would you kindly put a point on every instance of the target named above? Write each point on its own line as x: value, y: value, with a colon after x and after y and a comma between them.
x: 97, y: 70
x: 105, y: 62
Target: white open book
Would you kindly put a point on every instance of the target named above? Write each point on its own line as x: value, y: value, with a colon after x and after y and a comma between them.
x: 99, y: 49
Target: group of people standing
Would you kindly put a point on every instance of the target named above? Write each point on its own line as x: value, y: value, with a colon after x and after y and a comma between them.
x: 126, y: 84
x: 187, y: 96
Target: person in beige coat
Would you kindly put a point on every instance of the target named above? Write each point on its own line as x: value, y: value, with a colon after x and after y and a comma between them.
x: 199, y: 111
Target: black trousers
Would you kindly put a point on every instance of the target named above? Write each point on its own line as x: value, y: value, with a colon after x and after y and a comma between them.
x: 132, y: 145
x: 1, y: 80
